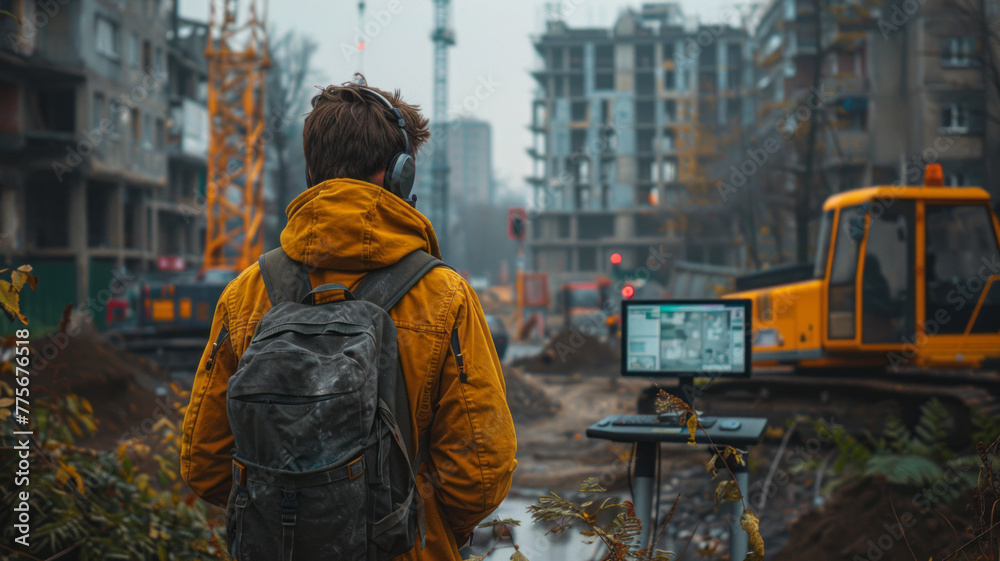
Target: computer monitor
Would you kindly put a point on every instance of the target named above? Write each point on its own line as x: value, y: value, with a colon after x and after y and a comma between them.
x: 685, y: 338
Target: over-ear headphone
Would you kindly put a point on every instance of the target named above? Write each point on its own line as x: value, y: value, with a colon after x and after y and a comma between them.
x: 400, y: 172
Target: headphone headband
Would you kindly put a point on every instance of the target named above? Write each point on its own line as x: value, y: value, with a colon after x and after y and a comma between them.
x: 400, y: 121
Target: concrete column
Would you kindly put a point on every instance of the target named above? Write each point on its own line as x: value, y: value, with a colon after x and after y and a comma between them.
x: 116, y: 221
x: 141, y: 224
x: 624, y: 226
x: 78, y: 236
x: 154, y: 230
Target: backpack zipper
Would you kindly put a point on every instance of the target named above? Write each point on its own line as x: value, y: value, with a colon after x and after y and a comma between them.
x: 279, y: 399
x: 463, y: 374
x: 223, y: 334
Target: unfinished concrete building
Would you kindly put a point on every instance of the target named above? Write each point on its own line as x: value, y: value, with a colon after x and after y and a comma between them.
x: 85, y: 102
x: 623, y: 126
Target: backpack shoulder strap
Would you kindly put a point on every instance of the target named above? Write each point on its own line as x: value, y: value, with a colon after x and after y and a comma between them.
x: 386, y: 286
x: 285, y: 279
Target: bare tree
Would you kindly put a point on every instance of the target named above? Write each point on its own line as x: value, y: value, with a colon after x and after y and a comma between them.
x: 287, y: 101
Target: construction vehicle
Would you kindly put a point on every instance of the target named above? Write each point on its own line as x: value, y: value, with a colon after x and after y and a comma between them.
x: 582, y: 302
x: 903, y: 276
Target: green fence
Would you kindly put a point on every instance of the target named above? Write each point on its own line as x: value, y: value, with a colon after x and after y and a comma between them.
x: 57, y: 288
x: 44, y: 306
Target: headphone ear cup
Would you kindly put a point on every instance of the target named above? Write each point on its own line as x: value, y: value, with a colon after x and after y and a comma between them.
x: 399, y: 175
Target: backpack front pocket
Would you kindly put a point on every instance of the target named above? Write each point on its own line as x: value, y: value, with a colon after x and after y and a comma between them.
x: 304, y: 516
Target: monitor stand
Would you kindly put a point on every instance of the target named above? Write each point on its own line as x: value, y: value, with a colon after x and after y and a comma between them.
x: 645, y: 491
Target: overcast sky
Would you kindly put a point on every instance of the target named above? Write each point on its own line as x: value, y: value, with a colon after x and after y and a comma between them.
x: 493, y: 45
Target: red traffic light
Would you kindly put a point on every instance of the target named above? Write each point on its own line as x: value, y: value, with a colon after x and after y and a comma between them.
x: 517, y: 219
x: 616, y: 258
x: 628, y: 292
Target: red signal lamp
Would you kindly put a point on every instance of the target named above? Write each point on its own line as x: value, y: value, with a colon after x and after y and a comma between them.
x: 616, y: 258
x: 628, y: 292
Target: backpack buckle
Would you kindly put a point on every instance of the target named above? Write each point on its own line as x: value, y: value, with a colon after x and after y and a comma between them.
x: 239, y: 474
x: 359, y: 465
x: 288, y: 506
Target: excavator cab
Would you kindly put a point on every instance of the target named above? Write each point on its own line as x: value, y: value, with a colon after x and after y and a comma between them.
x: 903, y: 275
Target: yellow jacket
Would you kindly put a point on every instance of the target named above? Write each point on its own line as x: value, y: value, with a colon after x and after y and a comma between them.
x: 341, y: 229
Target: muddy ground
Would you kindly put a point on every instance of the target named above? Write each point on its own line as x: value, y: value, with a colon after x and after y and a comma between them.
x: 797, y: 519
x: 552, y: 410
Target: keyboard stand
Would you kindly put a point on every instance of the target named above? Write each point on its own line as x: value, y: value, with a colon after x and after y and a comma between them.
x: 725, y: 431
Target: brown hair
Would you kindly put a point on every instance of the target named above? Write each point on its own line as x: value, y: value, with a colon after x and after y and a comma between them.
x: 348, y: 134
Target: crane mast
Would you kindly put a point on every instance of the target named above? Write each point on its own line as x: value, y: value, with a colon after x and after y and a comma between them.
x: 238, y: 60
x: 443, y: 37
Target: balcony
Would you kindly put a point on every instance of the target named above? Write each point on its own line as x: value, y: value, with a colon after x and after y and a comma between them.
x: 848, y: 147
x: 189, y: 134
x: 846, y: 85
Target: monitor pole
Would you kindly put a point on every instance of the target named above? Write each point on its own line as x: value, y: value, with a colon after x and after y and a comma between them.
x: 645, y: 475
x: 739, y: 541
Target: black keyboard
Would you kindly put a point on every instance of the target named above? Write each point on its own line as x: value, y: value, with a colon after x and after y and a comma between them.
x: 723, y: 431
x: 654, y: 421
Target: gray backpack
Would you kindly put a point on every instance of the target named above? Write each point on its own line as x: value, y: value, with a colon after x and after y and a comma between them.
x: 323, y: 466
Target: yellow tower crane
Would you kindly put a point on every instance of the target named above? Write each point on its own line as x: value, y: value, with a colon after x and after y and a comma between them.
x: 238, y: 60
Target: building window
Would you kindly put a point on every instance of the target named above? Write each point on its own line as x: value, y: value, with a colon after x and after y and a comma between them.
x: 147, y: 132
x: 955, y: 179
x: 147, y: 57
x: 954, y: 118
x: 604, y: 81
x: 958, y: 52
x: 158, y: 59
x: 670, y: 110
x: 159, y: 134
x: 733, y: 79
x: 604, y: 56
x: 733, y: 54
x: 97, y: 112
x: 107, y: 37
x: 669, y: 171
x: 669, y: 80
x: 136, y: 124
x: 133, y: 50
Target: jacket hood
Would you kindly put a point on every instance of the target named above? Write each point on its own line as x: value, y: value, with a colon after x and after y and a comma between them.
x: 352, y: 225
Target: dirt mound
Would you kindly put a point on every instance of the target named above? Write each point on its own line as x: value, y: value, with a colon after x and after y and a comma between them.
x: 858, y: 523
x: 526, y: 398
x: 570, y: 352
x: 119, y: 385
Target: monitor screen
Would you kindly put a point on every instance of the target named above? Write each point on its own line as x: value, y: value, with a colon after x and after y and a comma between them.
x: 675, y: 338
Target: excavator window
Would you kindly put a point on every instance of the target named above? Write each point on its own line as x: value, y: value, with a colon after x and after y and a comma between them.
x: 823, y: 245
x: 961, y: 259
x: 887, y: 283
x: 843, y: 274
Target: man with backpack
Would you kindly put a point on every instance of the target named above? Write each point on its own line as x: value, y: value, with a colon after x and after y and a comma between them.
x: 350, y: 403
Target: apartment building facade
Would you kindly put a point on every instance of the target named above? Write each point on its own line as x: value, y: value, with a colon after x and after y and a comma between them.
x: 85, y: 118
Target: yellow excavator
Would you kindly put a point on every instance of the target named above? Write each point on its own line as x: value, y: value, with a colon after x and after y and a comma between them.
x: 903, y: 276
